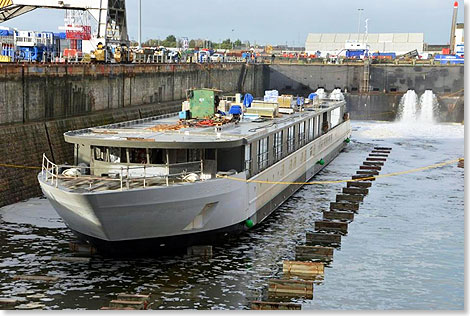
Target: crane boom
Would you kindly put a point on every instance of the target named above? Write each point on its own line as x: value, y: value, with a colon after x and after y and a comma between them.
x: 110, y: 14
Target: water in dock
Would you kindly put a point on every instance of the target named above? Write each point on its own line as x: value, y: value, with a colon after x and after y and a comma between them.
x: 404, y: 250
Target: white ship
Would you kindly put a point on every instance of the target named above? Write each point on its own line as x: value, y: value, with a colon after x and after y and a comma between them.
x: 149, y: 185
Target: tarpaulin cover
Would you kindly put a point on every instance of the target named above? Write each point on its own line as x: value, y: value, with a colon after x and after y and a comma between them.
x: 247, y: 100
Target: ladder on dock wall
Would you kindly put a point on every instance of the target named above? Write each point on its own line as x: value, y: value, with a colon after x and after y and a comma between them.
x: 365, y: 82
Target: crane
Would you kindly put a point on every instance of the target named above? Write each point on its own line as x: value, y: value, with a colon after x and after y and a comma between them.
x: 110, y: 15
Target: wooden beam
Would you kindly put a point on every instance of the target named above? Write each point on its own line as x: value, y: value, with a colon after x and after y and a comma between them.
x: 331, y: 226
x: 349, y: 198
x: 378, y: 155
x: 370, y: 168
x: 296, y: 288
x: 356, y: 191
x: 376, y: 159
x: 373, y: 163
x: 35, y: 278
x: 359, y: 184
x: 344, y: 206
x: 367, y: 173
x: 322, y: 239
x: 258, y: 305
x: 82, y: 248
x: 301, y: 268
x: 126, y: 303
x: 363, y: 178
x: 381, y: 151
x: 382, y: 148
x: 305, y: 253
x: 340, y: 216
x: 71, y: 259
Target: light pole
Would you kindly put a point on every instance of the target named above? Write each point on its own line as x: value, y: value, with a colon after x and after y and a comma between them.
x: 358, y: 23
x: 140, y: 23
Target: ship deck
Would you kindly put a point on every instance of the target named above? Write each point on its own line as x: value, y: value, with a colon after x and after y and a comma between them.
x: 167, y: 129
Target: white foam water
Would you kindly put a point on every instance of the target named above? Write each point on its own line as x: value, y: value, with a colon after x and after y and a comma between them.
x: 421, y: 110
x: 408, y: 107
x: 428, y: 103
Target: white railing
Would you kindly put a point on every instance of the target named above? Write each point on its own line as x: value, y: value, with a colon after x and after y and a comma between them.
x: 50, y: 174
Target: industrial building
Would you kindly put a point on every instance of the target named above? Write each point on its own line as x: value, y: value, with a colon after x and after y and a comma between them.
x: 332, y: 43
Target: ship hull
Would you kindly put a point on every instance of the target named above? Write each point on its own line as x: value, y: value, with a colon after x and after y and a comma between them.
x: 164, y: 219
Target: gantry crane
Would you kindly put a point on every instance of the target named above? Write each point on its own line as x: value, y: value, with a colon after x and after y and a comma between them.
x: 109, y: 14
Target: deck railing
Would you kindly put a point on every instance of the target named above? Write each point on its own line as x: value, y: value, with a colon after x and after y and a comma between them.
x: 51, y: 174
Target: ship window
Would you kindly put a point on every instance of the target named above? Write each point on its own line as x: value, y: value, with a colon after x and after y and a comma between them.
x: 278, y: 146
x: 248, y: 158
x: 311, y: 129
x: 115, y: 155
x: 137, y: 155
x: 209, y: 154
x: 290, y: 139
x: 317, y: 123
x: 262, y: 153
x: 99, y: 153
x: 194, y: 155
x: 157, y: 156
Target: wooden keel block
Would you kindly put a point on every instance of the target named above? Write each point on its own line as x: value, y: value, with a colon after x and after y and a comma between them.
x: 359, y: 184
x: 344, y: 206
x: 8, y: 302
x: 133, y: 297
x: 340, y: 216
x: 82, y: 248
x: 296, y: 288
x: 356, y: 191
x: 381, y: 151
x: 35, y: 278
x: 203, y: 251
x: 349, y: 198
x: 363, y: 178
x: 306, y: 253
x: 378, y: 155
x: 373, y: 163
x: 125, y: 303
x: 301, y: 268
x: 269, y: 306
x: 368, y: 173
x: 370, y: 168
x: 71, y: 259
x: 322, y: 239
x: 331, y: 226
x: 376, y: 159
x: 383, y: 148
x: 107, y: 308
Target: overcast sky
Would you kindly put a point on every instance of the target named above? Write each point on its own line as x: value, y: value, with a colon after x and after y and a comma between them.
x: 271, y: 22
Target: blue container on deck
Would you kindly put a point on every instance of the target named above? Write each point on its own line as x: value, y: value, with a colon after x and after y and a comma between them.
x: 184, y: 115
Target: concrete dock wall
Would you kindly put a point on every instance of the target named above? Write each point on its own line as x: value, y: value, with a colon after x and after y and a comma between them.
x: 387, y: 84
x: 45, y: 92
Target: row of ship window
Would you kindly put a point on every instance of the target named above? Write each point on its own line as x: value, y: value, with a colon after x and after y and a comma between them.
x: 262, y: 149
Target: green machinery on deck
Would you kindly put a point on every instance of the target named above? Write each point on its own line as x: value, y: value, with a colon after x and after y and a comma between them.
x: 201, y: 102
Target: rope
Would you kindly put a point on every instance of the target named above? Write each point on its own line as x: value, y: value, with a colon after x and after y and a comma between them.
x: 437, y: 165
x: 19, y: 166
